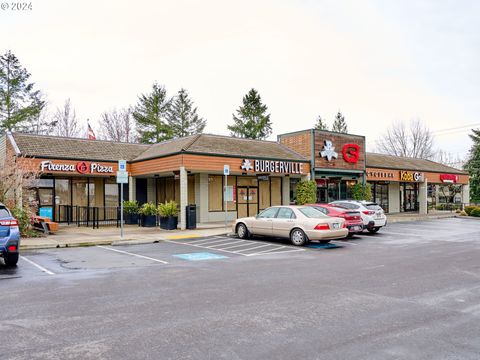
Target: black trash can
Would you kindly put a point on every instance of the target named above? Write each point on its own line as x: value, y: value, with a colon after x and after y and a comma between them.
x: 191, y: 216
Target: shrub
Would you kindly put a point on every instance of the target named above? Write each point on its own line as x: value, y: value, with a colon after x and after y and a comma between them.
x: 468, y: 209
x: 306, y: 192
x: 130, y: 207
x: 167, y: 209
x: 148, y: 209
x: 361, y: 192
x: 23, y: 216
x: 475, y: 212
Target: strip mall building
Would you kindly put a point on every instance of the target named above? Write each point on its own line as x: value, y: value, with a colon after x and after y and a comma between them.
x: 189, y: 170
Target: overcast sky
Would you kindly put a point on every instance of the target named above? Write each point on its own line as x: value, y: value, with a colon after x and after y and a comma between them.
x: 376, y: 61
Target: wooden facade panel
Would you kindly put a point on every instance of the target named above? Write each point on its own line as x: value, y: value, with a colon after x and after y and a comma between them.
x: 339, y: 143
x: 216, y: 163
x: 90, y: 167
x: 155, y: 166
x: 299, y: 142
x: 378, y: 174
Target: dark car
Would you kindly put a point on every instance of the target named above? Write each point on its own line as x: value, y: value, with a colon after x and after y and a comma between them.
x: 9, y: 237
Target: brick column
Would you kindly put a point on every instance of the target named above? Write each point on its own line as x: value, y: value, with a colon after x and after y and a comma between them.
x: 183, y: 197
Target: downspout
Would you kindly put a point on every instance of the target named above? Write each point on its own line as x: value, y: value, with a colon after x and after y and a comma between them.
x: 312, y: 155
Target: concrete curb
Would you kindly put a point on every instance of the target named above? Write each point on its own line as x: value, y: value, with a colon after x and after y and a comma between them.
x: 129, y: 241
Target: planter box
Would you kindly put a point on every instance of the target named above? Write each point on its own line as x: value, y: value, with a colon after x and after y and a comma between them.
x: 131, y: 219
x: 169, y: 223
x: 149, y: 221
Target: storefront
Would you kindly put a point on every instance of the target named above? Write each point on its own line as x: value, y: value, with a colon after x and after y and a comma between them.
x: 337, y: 160
x: 407, y: 184
x: 77, y: 175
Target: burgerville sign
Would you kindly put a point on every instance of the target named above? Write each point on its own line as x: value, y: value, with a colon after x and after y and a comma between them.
x: 82, y: 167
x: 271, y: 166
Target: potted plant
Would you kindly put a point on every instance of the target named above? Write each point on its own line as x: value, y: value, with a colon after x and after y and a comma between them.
x: 149, y: 215
x: 130, y: 209
x: 168, y: 215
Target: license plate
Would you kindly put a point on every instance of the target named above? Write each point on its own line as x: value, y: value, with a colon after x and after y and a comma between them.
x: 336, y: 225
x: 356, y: 228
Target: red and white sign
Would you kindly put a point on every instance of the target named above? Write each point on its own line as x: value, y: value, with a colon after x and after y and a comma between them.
x: 81, y: 167
x: 449, y: 178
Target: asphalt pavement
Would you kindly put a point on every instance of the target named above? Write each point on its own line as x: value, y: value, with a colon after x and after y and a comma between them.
x: 412, y: 291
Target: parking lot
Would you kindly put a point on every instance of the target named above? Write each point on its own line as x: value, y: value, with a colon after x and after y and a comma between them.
x: 410, y: 291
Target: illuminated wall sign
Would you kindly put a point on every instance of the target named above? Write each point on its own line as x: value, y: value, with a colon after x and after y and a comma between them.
x: 411, y: 176
x: 449, y: 178
x: 81, y: 167
x: 271, y: 166
x: 351, y: 152
x: 328, y: 151
x: 381, y: 174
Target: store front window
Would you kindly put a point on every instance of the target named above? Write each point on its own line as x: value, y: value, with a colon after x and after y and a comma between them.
x: 408, y: 197
x: 380, y: 194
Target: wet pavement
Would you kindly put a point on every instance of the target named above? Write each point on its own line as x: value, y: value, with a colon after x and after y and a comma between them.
x: 411, y: 291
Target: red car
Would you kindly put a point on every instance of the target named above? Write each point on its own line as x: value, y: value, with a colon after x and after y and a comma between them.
x: 352, y: 218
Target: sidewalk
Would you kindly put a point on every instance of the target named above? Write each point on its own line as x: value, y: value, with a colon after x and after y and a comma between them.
x: 404, y: 217
x: 73, y: 236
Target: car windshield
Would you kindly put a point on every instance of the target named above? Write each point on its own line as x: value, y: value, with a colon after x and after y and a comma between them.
x: 312, y: 212
x: 373, y: 206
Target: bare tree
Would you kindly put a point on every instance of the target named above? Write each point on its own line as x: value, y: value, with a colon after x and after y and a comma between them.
x: 66, y: 121
x: 412, y: 140
x: 117, y: 125
x: 449, y: 159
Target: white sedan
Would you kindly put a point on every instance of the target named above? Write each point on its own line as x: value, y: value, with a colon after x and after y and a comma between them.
x: 298, y: 223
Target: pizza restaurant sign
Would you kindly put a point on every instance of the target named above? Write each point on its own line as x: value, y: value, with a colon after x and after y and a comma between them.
x: 81, y: 167
x: 271, y: 166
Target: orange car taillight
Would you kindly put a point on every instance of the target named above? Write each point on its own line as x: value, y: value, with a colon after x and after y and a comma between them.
x: 322, y: 227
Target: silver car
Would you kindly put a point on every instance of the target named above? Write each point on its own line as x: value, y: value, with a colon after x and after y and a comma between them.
x: 298, y: 223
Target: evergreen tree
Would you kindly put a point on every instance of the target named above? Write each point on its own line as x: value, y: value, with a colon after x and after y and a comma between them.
x: 339, y: 125
x: 473, y: 166
x: 151, y: 114
x: 252, y: 120
x: 20, y: 104
x: 183, y: 118
x: 320, y: 124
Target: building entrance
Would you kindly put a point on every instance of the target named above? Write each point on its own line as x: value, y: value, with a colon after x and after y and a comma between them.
x: 408, y: 197
x: 247, y: 201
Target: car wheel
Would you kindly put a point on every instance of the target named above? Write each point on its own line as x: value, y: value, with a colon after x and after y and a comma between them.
x: 374, y: 230
x: 242, y: 231
x: 298, y: 237
x: 11, y: 259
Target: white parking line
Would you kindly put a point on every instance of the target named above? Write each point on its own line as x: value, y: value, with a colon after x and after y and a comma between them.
x: 202, y: 247
x: 256, y: 247
x: 271, y: 252
x: 132, y: 254
x: 345, y: 242
x: 245, y: 243
x: 37, y: 266
x: 228, y: 243
x: 208, y: 241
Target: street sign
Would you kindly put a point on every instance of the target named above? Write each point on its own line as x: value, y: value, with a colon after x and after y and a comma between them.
x: 122, y: 165
x: 122, y: 177
x: 226, y: 170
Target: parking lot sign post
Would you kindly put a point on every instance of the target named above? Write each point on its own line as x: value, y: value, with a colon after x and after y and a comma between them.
x: 226, y: 172
x: 122, y: 178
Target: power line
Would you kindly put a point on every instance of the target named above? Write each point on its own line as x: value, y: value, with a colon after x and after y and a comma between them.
x: 456, y: 128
